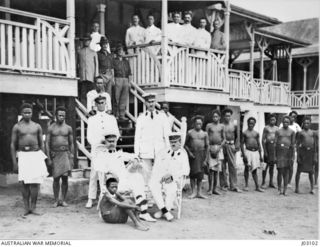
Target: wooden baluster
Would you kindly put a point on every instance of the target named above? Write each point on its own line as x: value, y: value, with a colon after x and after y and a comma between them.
x: 3, y: 44
x: 31, y: 48
x: 38, y: 44
x: 56, y: 49
x: 17, y: 46
x: 152, y: 71
x: 143, y: 66
x: 50, y: 56
x: 139, y: 66
x: 44, y: 46
x: 62, y: 59
x: 24, y: 47
x: 82, y: 133
x: 135, y: 103
x: 10, y: 45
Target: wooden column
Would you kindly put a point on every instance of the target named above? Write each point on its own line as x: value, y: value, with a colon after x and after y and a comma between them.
x: 305, y: 63
x: 101, y: 10
x: 6, y: 3
x: 250, y: 31
x: 289, y: 57
x: 71, y: 36
x: 227, y: 32
x: 164, y: 44
x: 262, y: 44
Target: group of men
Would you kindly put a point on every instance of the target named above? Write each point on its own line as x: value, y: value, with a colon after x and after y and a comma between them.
x: 185, y: 34
x: 104, y: 73
x: 212, y: 150
x: 160, y: 162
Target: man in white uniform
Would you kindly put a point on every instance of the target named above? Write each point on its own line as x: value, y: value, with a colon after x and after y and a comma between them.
x: 97, y: 126
x: 109, y: 160
x: 95, y: 93
x: 203, y: 37
x: 174, y: 29
x: 151, y: 135
x: 189, y: 32
x: 152, y: 34
x: 96, y: 37
x: 170, y: 166
x: 135, y: 34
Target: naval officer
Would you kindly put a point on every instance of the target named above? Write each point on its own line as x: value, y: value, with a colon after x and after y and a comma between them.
x: 151, y: 135
x: 97, y: 126
x: 170, y: 167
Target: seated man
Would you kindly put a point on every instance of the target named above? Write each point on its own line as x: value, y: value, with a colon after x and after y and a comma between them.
x: 115, y: 208
x: 109, y: 160
x: 169, y: 167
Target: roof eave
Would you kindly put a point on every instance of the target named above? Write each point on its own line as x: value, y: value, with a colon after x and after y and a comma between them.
x: 296, y: 43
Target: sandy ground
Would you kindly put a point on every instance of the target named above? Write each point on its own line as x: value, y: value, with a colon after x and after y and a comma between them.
x: 229, y: 216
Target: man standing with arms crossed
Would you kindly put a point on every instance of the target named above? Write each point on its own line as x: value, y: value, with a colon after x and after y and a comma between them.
x: 27, y: 146
x: 60, y: 150
x: 97, y: 126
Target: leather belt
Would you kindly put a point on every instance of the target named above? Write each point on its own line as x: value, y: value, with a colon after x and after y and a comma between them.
x: 29, y: 148
x: 60, y: 149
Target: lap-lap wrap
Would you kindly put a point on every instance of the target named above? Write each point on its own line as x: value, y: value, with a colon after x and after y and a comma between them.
x: 253, y: 158
x: 32, y: 167
x: 61, y: 160
x: 284, y: 156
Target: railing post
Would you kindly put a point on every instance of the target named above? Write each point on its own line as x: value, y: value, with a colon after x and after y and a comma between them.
x: 164, y: 44
x: 227, y: 37
x: 71, y: 36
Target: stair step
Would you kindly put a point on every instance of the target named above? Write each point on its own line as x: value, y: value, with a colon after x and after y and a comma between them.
x: 125, y: 146
x: 126, y: 137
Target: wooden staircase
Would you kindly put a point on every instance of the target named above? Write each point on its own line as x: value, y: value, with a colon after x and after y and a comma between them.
x: 127, y: 128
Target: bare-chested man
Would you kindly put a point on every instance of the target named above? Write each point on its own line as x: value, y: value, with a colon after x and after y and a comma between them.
x: 197, y: 146
x: 268, y: 144
x: 215, y: 157
x: 307, y: 153
x: 60, y: 149
x: 285, y: 141
x: 27, y: 146
x: 251, y: 152
x: 229, y: 152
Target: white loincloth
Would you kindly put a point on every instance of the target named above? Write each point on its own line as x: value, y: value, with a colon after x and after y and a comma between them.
x: 253, y: 159
x: 215, y: 163
x: 32, y: 167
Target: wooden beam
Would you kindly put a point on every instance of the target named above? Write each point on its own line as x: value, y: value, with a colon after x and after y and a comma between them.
x: 164, y: 44
x: 250, y: 31
x: 262, y: 44
x: 227, y: 32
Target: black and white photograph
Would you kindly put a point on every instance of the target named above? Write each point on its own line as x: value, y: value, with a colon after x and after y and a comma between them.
x: 159, y: 120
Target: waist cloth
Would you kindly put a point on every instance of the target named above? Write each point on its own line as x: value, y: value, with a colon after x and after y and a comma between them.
x: 62, y: 161
x: 253, y: 158
x: 215, y: 157
x: 197, y: 164
x: 271, y: 150
x: 305, y: 159
x: 284, y: 156
x: 32, y: 167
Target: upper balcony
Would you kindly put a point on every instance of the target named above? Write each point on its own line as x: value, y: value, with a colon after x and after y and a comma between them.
x: 36, y: 46
x: 202, y: 70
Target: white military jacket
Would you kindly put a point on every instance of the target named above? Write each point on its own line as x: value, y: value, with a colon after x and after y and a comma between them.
x: 151, y: 134
x: 169, y: 162
x: 98, y: 125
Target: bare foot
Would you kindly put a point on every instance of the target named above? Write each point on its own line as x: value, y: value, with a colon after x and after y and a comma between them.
x: 56, y: 204
x: 246, y: 188
x: 280, y: 193
x: 201, y: 196
x: 259, y: 190
x: 284, y: 193
x: 272, y: 186
x: 224, y: 188
x: 236, y: 190
x: 209, y: 192
x: 141, y: 227
x: 25, y: 213
x: 35, y: 212
x: 64, y: 204
x: 216, y: 192
x: 263, y: 186
x: 297, y: 191
x: 192, y: 196
x: 312, y: 192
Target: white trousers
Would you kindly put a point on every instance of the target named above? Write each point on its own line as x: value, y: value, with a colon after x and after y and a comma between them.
x: 94, y: 177
x: 164, y: 194
x: 147, y: 165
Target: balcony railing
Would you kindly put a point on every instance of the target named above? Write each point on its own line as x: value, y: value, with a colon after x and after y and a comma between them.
x: 39, y: 46
x: 303, y: 100
x: 186, y: 66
